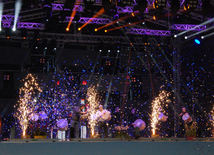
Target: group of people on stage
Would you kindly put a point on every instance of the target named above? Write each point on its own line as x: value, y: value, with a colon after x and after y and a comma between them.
x: 79, y: 111
x: 115, y: 119
x: 105, y: 120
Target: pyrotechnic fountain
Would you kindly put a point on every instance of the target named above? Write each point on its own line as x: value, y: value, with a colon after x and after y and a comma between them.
x: 27, y: 95
x: 93, y: 104
x: 156, y: 106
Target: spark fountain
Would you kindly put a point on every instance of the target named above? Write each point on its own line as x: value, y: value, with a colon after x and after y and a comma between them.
x: 93, y: 104
x: 27, y: 96
x: 156, y: 106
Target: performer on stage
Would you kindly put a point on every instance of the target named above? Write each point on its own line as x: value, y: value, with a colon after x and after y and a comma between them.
x: 101, y: 117
x: 77, y: 112
x: 183, y: 120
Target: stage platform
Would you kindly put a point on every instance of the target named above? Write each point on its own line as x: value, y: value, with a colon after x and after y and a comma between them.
x: 108, y: 146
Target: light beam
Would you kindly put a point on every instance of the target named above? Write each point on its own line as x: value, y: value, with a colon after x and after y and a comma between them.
x: 95, y: 16
x: 1, y: 11
x: 18, y: 6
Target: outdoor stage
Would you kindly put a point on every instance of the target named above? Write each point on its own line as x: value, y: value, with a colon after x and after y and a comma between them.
x: 147, y: 146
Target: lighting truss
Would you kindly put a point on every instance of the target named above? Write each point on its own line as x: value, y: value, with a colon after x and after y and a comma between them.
x: 89, y: 39
x: 94, y: 20
x: 8, y: 18
x: 60, y: 7
x: 126, y: 9
x: 149, y: 32
x: 24, y: 25
x: 189, y: 27
x: 30, y: 25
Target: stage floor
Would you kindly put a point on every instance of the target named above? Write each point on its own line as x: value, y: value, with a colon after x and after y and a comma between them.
x: 109, y: 146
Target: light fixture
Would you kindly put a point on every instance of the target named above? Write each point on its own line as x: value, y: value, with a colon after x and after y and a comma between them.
x: 197, y: 41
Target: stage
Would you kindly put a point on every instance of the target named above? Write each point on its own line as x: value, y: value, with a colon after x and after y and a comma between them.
x: 147, y: 146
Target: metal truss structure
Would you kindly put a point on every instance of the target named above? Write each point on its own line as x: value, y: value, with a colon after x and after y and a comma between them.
x: 94, y: 20
x: 189, y: 27
x: 149, y: 32
x: 26, y: 25
x: 60, y: 7
x: 9, y: 18
x: 79, y: 38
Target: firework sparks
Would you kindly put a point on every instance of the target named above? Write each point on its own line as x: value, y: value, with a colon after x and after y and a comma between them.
x: 93, y: 104
x: 156, y: 106
x: 27, y: 95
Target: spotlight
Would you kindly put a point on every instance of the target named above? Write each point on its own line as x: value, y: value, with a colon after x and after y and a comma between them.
x: 190, y: 4
x: 118, y: 51
x: 67, y: 29
x: 109, y: 50
x: 95, y: 30
x: 197, y: 41
x: 175, y: 36
x: 202, y: 37
x: 159, y: 4
x: 79, y: 29
x: 106, y: 31
x: 100, y: 50
x: 14, y: 29
x: 185, y: 37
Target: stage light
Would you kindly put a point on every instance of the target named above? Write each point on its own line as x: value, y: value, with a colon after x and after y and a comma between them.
x: 46, y: 48
x: 95, y: 30
x: 100, y: 50
x: 133, y: 14
x: 202, y: 37
x: 175, y: 36
x: 79, y: 29
x: 159, y: 4
x: 118, y: 51
x: 1, y: 12
x: 109, y: 50
x: 197, y: 41
x: 18, y: 6
x: 67, y: 29
x: 106, y: 31
x: 190, y: 4
x: 185, y: 37
x: 14, y: 29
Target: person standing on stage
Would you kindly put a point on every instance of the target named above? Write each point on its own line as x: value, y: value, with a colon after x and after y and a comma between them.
x: 102, y: 122
x: 75, y: 121
x: 182, y: 123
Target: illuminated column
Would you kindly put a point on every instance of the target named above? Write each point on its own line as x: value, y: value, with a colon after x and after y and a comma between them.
x: 176, y: 83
